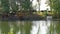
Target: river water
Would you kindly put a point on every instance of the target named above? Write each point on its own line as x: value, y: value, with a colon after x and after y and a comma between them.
x: 30, y: 27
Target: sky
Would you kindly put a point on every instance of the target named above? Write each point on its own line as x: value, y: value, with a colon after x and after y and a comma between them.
x: 43, y: 5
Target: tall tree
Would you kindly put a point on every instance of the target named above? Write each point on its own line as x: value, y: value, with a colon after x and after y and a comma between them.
x: 5, y: 5
x: 26, y: 4
x: 55, y: 4
x: 13, y: 5
x: 38, y: 4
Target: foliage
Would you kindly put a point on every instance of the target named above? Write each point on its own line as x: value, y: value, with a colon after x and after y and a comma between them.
x: 5, y: 5
x: 55, y: 4
x: 14, y: 6
x: 26, y: 4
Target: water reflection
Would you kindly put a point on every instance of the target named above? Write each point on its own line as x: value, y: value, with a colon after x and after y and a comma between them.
x: 54, y: 27
x: 30, y: 27
x: 4, y: 27
x: 41, y: 27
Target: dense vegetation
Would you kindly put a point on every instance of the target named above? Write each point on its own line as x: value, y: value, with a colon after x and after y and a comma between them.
x: 55, y: 7
x: 16, y: 6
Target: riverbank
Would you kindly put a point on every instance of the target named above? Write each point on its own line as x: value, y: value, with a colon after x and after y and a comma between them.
x: 30, y: 18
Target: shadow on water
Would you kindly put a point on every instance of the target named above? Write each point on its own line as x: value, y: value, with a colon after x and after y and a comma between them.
x: 30, y: 27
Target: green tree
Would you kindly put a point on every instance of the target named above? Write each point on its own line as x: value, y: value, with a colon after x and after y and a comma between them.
x: 13, y: 5
x: 5, y: 5
x: 26, y: 4
x: 55, y: 4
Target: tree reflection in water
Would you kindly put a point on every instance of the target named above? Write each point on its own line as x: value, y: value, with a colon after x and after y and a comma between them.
x: 58, y: 27
x: 25, y: 27
x: 4, y: 27
x: 30, y: 27
x: 14, y: 26
x: 54, y: 28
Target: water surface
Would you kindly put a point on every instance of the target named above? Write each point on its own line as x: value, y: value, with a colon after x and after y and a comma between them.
x: 30, y: 27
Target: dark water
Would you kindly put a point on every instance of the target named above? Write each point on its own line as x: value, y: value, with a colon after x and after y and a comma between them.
x: 30, y: 27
